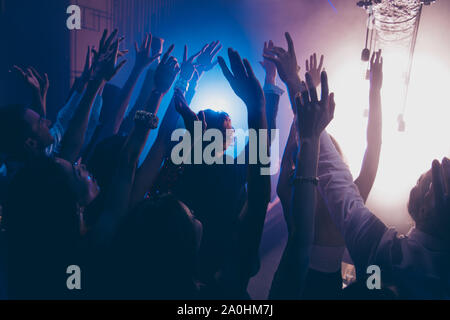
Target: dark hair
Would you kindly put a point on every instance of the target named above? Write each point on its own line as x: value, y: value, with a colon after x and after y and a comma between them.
x: 42, y: 225
x: 215, y: 119
x: 13, y: 129
x: 157, y: 248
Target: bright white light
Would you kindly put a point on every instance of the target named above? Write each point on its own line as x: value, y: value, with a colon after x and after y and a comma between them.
x: 405, y: 155
x: 215, y: 93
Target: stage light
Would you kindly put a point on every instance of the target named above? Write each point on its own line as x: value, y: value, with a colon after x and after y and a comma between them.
x: 405, y: 155
x: 214, y: 93
x: 394, y: 25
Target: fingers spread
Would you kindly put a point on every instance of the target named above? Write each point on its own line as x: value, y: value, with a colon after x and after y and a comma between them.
x: 216, y: 51
x: 191, y: 59
x: 119, y: 67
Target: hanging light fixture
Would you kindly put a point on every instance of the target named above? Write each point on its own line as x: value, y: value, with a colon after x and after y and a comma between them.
x: 393, y: 25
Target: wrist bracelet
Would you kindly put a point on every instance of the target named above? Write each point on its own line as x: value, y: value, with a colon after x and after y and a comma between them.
x: 147, y: 119
x: 313, y: 180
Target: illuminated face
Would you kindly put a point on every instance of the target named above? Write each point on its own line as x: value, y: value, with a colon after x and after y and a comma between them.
x: 81, y: 181
x: 40, y: 128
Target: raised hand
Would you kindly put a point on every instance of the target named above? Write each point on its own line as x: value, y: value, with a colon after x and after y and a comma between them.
x: 106, y: 67
x: 376, y: 71
x: 314, y: 115
x: 268, y: 65
x: 285, y: 61
x: 166, y: 72
x: 143, y: 57
x: 105, y: 43
x: 38, y: 84
x: 187, y: 66
x: 120, y: 53
x: 189, y: 116
x: 205, y: 59
x: 243, y: 81
x: 314, y: 70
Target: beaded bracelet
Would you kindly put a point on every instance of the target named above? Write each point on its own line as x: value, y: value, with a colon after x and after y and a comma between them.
x: 147, y: 119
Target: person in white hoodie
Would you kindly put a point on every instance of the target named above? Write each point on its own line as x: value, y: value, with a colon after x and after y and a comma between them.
x: 416, y: 265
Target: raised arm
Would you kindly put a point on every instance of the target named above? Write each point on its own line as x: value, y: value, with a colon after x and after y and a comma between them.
x: 165, y: 75
x: 39, y: 88
x: 163, y: 78
x: 143, y: 59
x: 313, y: 116
x: 118, y: 196
x: 361, y: 229
x: 284, y: 186
x: 188, y: 70
x: 103, y: 69
x: 371, y: 160
x: 204, y: 62
x: 271, y: 91
x: 287, y: 67
x: 313, y: 69
x: 240, y: 268
x: 147, y: 86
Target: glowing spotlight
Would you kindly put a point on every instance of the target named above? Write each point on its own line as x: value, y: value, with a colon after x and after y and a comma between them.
x: 215, y: 93
x: 405, y: 155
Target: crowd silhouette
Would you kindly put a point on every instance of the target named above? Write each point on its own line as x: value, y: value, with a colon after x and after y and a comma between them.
x: 74, y: 193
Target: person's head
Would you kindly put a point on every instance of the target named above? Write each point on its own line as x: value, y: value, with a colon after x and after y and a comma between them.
x: 81, y: 182
x: 23, y: 131
x: 43, y: 224
x: 422, y: 206
x: 219, y: 120
x: 44, y: 199
x: 159, y: 245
